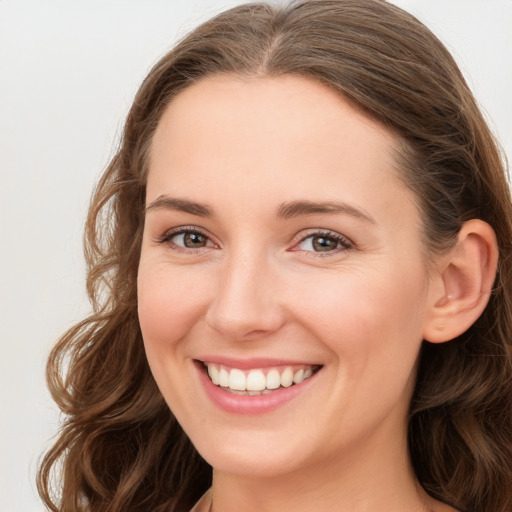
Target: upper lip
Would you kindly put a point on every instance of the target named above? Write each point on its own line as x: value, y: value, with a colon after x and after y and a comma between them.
x: 247, y: 364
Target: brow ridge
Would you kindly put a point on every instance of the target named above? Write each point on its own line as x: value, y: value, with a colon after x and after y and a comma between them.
x: 178, y: 204
x: 287, y: 210
x: 299, y: 208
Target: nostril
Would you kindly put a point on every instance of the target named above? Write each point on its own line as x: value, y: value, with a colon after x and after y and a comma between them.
x: 243, y: 329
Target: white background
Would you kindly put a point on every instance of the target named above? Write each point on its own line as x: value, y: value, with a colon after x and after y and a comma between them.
x: 68, y: 72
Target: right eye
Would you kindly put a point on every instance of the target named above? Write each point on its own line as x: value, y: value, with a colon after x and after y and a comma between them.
x: 190, y: 240
x: 186, y: 239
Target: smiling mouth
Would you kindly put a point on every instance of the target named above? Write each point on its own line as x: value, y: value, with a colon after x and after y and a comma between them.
x: 258, y: 381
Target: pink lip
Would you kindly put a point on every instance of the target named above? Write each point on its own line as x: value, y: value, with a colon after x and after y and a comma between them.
x: 245, y: 404
x: 248, y: 364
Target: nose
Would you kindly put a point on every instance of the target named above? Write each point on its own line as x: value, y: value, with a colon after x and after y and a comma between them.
x: 247, y: 303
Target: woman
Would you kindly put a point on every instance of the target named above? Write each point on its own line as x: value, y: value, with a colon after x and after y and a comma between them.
x: 299, y: 261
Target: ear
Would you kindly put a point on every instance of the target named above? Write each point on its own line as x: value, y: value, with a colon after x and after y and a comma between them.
x: 462, y: 284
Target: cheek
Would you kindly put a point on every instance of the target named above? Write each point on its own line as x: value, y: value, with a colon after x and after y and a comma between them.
x: 363, y: 315
x: 169, y: 306
x: 169, y: 303
x: 372, y: 326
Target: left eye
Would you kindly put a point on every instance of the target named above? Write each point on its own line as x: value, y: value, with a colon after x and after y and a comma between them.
x: 319, y: 242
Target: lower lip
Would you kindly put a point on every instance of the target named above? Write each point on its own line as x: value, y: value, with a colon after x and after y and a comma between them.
x: 256, y: 404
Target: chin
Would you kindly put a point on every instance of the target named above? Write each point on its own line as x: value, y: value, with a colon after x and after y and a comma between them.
x: 252, y: 455
x: 256, y: 464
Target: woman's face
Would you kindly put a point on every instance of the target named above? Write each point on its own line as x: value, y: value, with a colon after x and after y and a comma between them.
x: 280, y: 244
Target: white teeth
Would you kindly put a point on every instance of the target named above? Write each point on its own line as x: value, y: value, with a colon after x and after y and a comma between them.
x: 256, y: 381
x: 213, y: 372
x: 273, y: 379
x: 223, y: 378
x: 237, y: 380
x: 287, y: 378
x: 297, y: 378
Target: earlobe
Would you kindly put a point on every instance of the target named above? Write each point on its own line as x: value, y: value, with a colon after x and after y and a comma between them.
x: 463, y: 283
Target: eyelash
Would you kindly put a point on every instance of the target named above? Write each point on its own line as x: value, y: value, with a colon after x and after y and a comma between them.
x: 342, y: 242
x: 167, y: 237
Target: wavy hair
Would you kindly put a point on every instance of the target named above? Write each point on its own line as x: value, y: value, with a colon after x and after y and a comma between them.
x: 120, y: 447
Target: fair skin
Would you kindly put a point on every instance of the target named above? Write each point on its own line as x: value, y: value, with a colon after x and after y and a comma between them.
x: 237, y: 272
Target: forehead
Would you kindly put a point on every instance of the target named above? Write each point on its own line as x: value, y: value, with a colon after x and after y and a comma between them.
x: 281, y: 137
x: 270, y: 107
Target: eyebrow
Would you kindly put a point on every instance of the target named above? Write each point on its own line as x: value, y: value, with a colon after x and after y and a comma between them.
x: 181, y: 205
x: 286, y: 210
x: 298, y: 208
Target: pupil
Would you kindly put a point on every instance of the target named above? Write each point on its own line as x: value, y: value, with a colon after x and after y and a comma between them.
x: 194, y: 240
x: 321, y: 243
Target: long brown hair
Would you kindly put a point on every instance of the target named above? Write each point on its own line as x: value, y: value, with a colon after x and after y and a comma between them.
x: 120, y: 448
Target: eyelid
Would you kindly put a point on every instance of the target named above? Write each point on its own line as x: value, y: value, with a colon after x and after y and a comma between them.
x: 166, y: 237
x: 345, y: 242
